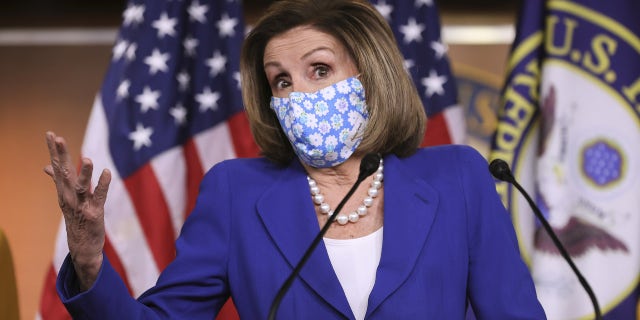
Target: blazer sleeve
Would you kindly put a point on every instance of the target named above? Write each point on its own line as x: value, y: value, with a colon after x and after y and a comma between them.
x: 193, y: 286
x: 500, y: 285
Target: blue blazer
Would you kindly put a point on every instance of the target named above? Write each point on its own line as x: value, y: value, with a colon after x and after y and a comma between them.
x: 447, y: 241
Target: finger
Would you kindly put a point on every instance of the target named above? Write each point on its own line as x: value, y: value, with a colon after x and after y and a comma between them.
x: 53, y: 169
x: 62, y: 172
x: 100, y: 193
x: 51, y: 145
x: 83, y: 183
x: 67, y: 170
x: 48, y: 170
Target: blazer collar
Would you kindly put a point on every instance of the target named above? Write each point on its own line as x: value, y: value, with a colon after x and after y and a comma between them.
x: 409, y: 210
x: 409, y: 207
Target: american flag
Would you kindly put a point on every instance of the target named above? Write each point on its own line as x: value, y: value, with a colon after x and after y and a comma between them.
x: 170, y: 108
x: 416, y: 26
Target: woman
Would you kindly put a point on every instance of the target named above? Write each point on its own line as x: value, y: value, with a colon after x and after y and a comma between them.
x: 422, y: 237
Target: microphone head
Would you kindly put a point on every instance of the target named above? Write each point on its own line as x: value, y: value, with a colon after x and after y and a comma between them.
x: 500, y: 170
x: 369, y: 165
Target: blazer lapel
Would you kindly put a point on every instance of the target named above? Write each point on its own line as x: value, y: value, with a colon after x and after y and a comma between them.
x: 409, y: 209
x: 287, y: 213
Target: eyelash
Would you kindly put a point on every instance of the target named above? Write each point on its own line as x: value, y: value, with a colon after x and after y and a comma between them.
x: 277, y: 83
x: 320, y: 66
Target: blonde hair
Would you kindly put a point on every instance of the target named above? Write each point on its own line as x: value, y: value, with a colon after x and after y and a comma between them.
x: 396, y: 114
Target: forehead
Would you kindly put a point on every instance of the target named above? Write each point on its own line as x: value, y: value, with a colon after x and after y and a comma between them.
x: 298, y: 41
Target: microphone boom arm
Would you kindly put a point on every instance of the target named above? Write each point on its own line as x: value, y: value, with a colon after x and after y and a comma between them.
x: 500, y: 170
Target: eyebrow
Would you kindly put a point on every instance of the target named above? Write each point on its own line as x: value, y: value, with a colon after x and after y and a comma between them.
x: 271, y: 64
x: 304, y: 56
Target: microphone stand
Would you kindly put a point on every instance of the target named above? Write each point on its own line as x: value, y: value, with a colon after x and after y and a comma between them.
x: 500, y: 170
x: 368, y: 166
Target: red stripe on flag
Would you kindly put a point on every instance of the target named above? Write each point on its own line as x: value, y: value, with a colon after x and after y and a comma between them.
x: 437, y: 132
x: 228, y: 312
x: 153, y: 213
x: 243, y: 142
x: 51, y: 308
x: 194, y: 173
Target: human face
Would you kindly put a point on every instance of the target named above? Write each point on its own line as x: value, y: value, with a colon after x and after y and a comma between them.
x: 304, y: 59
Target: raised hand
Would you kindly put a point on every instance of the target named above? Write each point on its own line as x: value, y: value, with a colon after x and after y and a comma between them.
x: 82, y: 208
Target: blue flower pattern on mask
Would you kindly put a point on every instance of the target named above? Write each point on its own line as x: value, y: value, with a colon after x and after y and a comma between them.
x: 324, y: 127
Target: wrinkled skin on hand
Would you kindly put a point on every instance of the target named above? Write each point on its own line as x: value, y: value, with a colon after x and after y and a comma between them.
x: 82, y: 208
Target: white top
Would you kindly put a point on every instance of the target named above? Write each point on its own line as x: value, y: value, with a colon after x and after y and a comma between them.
x: 355, y: 262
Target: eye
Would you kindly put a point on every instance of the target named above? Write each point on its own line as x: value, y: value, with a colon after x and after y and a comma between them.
x: 280, y: 84
x: 321, y: 71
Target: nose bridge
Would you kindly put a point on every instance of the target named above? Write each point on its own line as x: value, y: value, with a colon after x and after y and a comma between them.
x: 302, y: 84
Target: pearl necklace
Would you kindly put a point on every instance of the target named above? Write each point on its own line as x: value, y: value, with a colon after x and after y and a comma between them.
x: 353, y: 216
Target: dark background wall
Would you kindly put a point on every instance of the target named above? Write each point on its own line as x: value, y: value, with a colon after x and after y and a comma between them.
x: 37, y: 13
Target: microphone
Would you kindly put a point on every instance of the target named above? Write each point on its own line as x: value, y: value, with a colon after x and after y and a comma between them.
x: 500, y: 170
x: 368, y: 166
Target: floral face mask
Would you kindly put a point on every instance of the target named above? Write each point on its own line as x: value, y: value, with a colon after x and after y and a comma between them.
x: 324, y: 127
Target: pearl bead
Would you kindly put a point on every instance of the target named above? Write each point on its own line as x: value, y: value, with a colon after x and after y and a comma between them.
x: 368, y: 201
x: 342, y: 219
x: 354, y: 216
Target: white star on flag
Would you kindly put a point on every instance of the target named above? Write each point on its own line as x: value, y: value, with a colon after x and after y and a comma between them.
x: 148, y: 99
x: 141, y: 137
x: 133, y: 15
x: 183, y: 80
x: 119, y: 49
x: 434, y: 83
x: 238, y: 79
x: 412, y: 31
x: 190, y: 45
x: 439, y: 48
x: 420, y: 3
x: 157, y: 61
x: 216, y: 63
x: 208, y: 100
x: 384, y: 9
x: 165, y: 25
x: 179, y: 114
x: 197, y: 12
x: 131, y: 52
x: 226, y: 25
x: 123, y: 89
x: 408, y: 64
